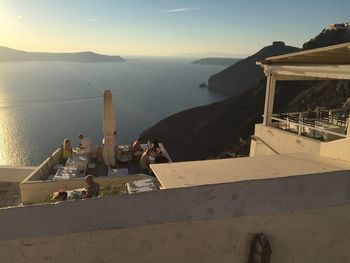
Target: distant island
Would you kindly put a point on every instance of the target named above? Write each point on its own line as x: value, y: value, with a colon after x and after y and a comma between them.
x: 9, y: 54
x: 216, y: 61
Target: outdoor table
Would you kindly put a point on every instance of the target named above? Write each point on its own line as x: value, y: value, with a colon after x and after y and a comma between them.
x: 78, y: 161
x: 66, y: 173
x: 118, y: 172
x: 139, y: 186
x: 123, y: 153
x: 144, y: 146
x: 80, y: 151
x: 75, y: 194
x: 151, y: 159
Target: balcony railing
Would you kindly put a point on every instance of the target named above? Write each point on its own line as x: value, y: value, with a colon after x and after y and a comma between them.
x: 324, y: 125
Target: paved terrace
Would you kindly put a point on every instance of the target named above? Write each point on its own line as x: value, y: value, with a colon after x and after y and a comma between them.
x: 187, y: 174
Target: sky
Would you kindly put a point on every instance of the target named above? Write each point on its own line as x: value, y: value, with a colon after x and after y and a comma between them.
x: 164, y: 28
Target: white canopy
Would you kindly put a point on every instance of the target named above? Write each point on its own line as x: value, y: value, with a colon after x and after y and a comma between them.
x: 108, y: 129
x: 332, y: 62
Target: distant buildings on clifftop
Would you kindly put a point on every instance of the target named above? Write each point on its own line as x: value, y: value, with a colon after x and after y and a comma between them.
x: 341, y: 26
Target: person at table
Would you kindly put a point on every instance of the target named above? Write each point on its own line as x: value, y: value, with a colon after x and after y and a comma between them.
x: 93, y: 188
x: 136, y: 147
x: 160, y: 158
x: 85, y: 143
x: 155, y: 145
x: 144, y: 161
x: 67, y: 149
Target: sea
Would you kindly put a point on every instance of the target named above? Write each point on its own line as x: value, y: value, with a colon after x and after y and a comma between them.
x: 42, y: 103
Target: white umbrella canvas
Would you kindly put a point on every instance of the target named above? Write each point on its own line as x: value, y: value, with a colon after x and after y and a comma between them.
x: 109, y: 128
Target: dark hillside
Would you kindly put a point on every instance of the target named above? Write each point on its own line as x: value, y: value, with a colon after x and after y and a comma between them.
x: 245, y: 74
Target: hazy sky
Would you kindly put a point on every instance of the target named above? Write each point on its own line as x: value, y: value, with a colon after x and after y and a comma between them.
x: 161, y: 27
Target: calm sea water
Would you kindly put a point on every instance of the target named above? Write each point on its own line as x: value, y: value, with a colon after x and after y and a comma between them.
x: 41, y: 103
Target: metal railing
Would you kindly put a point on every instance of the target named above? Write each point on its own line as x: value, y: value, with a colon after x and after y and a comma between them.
x: 317, y: 124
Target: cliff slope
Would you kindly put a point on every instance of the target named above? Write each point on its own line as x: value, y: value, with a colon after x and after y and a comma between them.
x: 205, y: 132
x: 244, y: 74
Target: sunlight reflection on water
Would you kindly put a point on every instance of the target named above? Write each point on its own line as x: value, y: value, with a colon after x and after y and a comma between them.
x: 43, y: 103
x: 10, y: 152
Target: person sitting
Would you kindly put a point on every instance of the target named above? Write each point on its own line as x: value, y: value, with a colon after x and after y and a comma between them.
x: 93, y: 188
x: 155, y: 145
x: 67, y: 149
x: 144, y: 161
x: 160, y: 158
x: 60, y: 196
x: 136, y: 148
x: 85, y: 143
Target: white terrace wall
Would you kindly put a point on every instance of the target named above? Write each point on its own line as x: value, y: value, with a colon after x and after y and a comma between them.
x: 317, y: 235
x: 306, y: 219
x: 14, y: 174
x: 38, y: 191
x: 339, y: 149
x: 282, y: 142
x: 287, y: 142
x: 35, y: 190
x: 45, y: 166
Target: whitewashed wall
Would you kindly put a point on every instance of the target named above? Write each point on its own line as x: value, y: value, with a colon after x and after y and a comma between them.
x: 306, y: 218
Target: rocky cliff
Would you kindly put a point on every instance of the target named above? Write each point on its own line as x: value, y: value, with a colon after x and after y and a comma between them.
x: 205, y: 132
x: 327, y: 38
x: 244, y: 74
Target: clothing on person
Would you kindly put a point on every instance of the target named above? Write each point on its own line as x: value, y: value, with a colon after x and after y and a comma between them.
x: 136, y: 146
x: 60, y: 196
x: 160, y: 158
x: 67, y: 149
x: 137, y: 150
x: 144, y: 160
x: 155, y: 145
x: 92, y: 190
x: 66, y: 154
x: 85, y: 142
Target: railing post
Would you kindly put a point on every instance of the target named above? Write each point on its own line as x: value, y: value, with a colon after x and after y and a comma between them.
x: 348, y: 128
x: 269, y: 97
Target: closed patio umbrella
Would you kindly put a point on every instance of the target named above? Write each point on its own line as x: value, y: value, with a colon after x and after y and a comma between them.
x: 108, y: 129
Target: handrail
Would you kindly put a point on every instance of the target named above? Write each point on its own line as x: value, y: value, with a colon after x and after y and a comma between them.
x: 310, y: 127
x: 255, y: 138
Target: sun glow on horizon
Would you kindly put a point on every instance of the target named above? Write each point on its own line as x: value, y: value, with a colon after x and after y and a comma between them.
x: 161, y: 28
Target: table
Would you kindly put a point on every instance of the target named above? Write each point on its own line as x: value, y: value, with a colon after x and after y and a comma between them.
x: 75, y: 194
x: 144, y: 146
x: 123, y: 153
x: 66, y: 173
x: 139, y: 186
x: 151, y: 158
x: 80, y: 151
x: 78, y: 161
x: 118, y: 172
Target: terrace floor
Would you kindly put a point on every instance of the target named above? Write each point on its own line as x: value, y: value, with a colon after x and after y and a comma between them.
x: 102, y: 170
x: 188, y: 174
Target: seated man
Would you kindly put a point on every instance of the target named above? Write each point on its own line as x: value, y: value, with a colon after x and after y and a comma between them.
x: 85, y: 143
x: 136, y: 148
x: 144, y: 161
x: 93, y: 188
x: 160, y: 158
